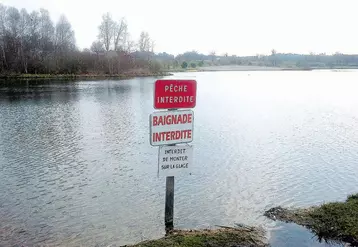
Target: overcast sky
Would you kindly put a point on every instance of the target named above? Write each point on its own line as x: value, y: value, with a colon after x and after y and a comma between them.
x: 238, y: 27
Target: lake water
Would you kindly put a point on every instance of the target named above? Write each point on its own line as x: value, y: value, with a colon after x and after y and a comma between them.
x: 76, y: 167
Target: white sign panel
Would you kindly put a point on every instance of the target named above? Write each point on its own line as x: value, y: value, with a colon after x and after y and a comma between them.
x: 174, y: 160
x: 171, y: 127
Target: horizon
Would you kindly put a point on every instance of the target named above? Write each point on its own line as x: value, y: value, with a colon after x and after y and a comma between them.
x: 288, y: 28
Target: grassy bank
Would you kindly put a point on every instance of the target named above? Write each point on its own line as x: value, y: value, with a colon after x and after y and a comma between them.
x: 80, y: 76
x: 336, y: 221
x: 223, y: 237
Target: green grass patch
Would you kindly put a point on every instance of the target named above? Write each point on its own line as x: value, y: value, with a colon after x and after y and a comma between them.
x: 243, y: 237
x: 336, y: 221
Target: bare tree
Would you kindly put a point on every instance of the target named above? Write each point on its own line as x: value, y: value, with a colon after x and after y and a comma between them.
x: 273, y: 56
x: 120, y: 32
x: 97, y: 47
x: 106, y: 31
x: 46, y: 41
x: 12, y: 36
x: 65, y: 44
x: 30, y: 43
x: 144, y: 43
x: 34, y: 23
x: 130, y: 46
x: 128, y: 43
x: 13, y: 19
x: 65, y: 36
x: 3, y: 34
x: 213, y: 55
x: 47, y: 29
x: 24, y: 38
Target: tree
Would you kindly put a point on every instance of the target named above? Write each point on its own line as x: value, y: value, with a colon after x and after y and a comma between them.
x: 46, y: 42
x: 24, y: 38
x: 106, y: 32
x: 184, y: 65
x: 3, y: 36
x: 120, y: 33
x: 273, y: 57
x: 130, y: 46
x: 13, y: 20
x: 64, y: 46
x: 213, y: 55
x: 12, y: 36
x: 193, y: 65
x: 65, y: 36
x: 47, y: 30
x: 154, y: 66
x: 97, y: 47
x: 144, y: 43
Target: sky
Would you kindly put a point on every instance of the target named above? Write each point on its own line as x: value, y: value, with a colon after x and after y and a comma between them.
x: 241, y: 27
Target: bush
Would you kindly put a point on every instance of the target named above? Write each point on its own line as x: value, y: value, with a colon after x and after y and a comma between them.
x: 154, y: 66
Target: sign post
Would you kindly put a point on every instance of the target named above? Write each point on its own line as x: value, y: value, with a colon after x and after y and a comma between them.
x: 171, y: 127
x: 169, y: 204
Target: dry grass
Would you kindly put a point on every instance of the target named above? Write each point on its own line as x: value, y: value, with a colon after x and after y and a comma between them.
x: 223, y: 237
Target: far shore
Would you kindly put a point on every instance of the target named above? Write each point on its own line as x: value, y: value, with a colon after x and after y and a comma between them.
x: 145, y: 73
x: 81, y: 76
x: 256, y: 68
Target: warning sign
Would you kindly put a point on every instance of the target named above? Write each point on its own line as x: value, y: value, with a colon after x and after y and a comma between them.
x: 175, y: 159
x: 171, y: 127
x: 174, y: 94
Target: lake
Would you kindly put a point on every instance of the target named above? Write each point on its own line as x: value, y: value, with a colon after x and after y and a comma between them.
x: 76, y: 166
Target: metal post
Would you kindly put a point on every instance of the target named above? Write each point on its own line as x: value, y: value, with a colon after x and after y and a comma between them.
x: 169, y: 204
x: 169, y: 200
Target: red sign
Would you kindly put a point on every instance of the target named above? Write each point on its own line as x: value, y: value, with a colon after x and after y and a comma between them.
x: 174, y: 94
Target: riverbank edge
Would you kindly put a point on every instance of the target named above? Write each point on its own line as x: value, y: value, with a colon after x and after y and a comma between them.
x: 243, y: 236
x: 80, y: 76
x: 334, y: 221
x: 248, y: 68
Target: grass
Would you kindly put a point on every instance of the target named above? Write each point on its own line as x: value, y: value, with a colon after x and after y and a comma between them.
x: 224, y: 237
x: 337, y: 221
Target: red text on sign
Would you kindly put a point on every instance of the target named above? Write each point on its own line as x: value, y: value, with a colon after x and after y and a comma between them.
x: 172, y: 119
x: 172, y: 135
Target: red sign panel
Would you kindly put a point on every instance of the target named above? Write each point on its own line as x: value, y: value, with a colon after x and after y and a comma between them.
x: 174, y: 94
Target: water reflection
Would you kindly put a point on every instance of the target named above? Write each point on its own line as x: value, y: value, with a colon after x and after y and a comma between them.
x: 37, y: 90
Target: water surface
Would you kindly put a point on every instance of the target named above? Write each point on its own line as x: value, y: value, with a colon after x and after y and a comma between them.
x: 76, y: 167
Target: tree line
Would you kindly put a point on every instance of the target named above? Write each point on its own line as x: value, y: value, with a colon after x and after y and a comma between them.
x: 33, y: 43
x: 193, y: 59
